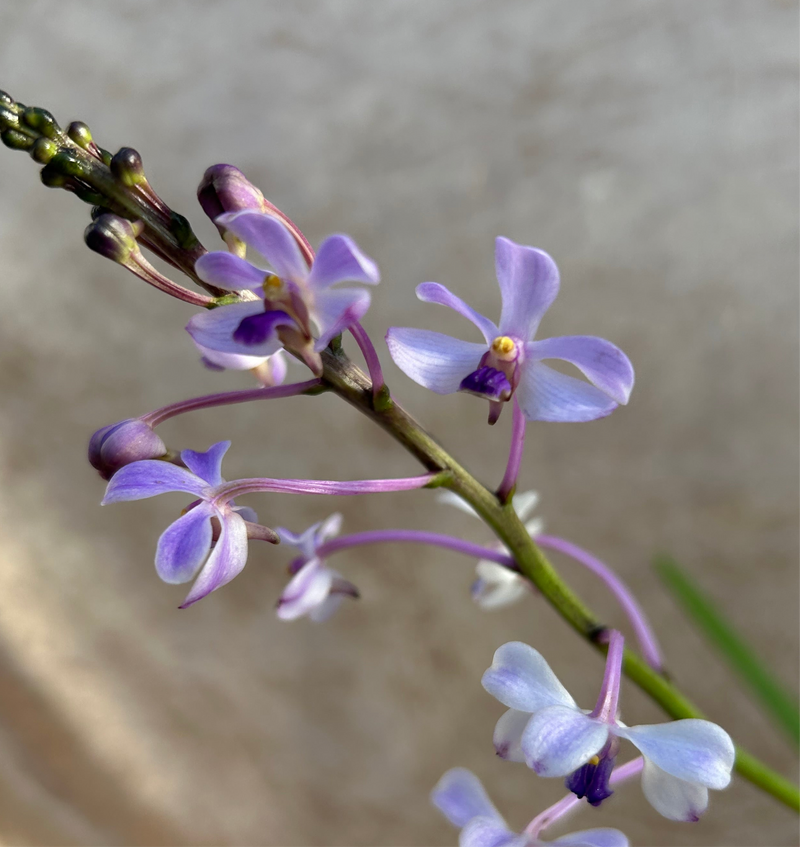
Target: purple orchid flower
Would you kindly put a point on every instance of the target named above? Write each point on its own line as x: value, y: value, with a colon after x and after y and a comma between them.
x: 547, y: 730
x: 509, y: 361
x: 315, y: 589
x: 294, y: 305
x: 208, y: 543
x: 461, y: 797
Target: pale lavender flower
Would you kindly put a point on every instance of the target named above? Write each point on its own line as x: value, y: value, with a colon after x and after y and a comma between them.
x: 315, y: 589
x: 496, y: 585
x: 547, y: 730
x: 509, y: 361
x: 461, y: 797
x: 208, y: 543
x: 294, y: 305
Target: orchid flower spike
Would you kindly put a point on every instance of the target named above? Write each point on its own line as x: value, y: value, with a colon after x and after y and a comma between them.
x: 293, y: 305
x: 208, y: 543
x: 315, y: 589
x: 495, y: 585
x: 547, y: 730
x: 509, y: 361
x: 462, y: 799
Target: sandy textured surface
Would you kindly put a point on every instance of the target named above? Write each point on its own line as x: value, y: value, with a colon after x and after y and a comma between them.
x: 650, y: 147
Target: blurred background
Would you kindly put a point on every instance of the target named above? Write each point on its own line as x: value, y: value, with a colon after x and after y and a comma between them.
x: 651, y: 148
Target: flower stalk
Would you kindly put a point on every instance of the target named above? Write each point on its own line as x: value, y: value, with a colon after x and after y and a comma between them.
x: 74, y: 162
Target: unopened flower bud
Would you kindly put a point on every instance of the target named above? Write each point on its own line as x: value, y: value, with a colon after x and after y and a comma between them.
x: 127, y: 167
x: 225, y: 188
x: 119, y: 444
x: 16, y: 140
x: 42, y: 121
x: 80, y: 134
x: 43, y: 150
x: 113, y: 237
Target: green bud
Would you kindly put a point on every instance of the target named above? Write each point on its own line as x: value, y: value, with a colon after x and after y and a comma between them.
x: 113, y: 237
x: 43, y: 150
x: 106, y: 157
x: 42, y: 121
x: 80, y: 134
x: 16, y: 140
x: 9, y: 119
x: 52, y: 177
x: 67, y: 163
x: 6, y: 99
x: 126, y: 165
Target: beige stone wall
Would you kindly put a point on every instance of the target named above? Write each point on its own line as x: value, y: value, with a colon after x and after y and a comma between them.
x: 650, y: 147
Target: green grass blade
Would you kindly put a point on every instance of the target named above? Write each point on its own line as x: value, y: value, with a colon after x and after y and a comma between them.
x: 782, y: 707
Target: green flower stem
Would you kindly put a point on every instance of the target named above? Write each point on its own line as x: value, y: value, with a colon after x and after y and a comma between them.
x: 346, y: 380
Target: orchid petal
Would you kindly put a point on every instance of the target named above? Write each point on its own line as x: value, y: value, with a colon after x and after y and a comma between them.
x: 497, y: 585
x: 691, y: 749
x: 327, y: 608
x: 329, y: 528
x: 213, y: 329
x: 307, y: 589
x: 487, y: 832
x: 226, y: 561
x: 433, y: 292
x: 149, y: 478
x: 208, y: 464
x: 277, y: 367
x: 434, y: 360
x: 521, y: 679
x: 184, y: 545
x: 534, y: 527
x: 245, y: 513
x: 524, y: 503
x: 226, y: 270
x: 546, y: 395
x: 230, y: 361
x: 601, y: 837
x: 339, y: 259
x: 460, y: 796
x: 256, y: 331
x: 452, y: 499
x: 560, y: 739
x: 528, y: 284
x: 601, y: 362
x: 335, y: 310
x: 271, y: 238
x: 304, y: 541
x: 507, y: 738
x: 671, y: 797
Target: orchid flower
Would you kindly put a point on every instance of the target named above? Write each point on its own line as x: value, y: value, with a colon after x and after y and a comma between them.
x: 315, y: 589
x: 509, y: 361
x: 496, y: 585
x: 294, y: 305
x: 463, y: 800
x: 547, y: 730
x: 208, y: 543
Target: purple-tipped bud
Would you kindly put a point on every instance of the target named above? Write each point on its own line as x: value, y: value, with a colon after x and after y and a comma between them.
x: 225, y: 188
x: 113, y: 237
x: 126, y: 165
x: 119, y: 444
